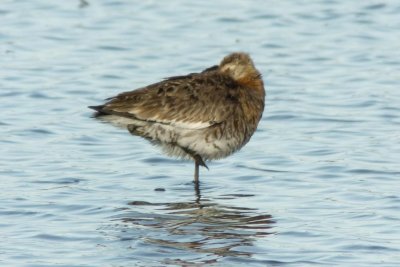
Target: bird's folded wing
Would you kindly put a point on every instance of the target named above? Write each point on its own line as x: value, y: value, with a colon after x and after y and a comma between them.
x: 195, y: 101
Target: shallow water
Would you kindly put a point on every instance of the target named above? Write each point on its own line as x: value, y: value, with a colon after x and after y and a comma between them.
x: 317, y: 185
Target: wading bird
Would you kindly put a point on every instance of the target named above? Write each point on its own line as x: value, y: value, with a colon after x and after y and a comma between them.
x: 200, y: 116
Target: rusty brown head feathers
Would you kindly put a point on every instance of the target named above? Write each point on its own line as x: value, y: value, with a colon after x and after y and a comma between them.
x: 240, y: 68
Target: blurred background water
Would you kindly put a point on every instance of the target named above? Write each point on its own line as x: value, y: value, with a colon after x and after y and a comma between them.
x: 318, y: 184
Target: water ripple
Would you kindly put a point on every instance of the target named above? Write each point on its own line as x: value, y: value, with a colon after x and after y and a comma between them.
x: 316, y: 185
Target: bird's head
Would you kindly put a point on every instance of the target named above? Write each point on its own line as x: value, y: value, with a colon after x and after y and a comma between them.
x: 240, y: 68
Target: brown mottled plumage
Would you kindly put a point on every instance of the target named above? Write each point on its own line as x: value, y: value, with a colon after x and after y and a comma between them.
x: 202, y: 116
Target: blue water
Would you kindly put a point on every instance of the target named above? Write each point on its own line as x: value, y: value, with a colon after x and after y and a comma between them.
x: 318, y: 184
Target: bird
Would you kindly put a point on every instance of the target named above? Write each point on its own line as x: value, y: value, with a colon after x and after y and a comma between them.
x: 200, y: 116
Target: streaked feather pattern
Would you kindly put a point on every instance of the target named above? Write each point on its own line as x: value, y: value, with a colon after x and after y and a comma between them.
x: 210, y: 114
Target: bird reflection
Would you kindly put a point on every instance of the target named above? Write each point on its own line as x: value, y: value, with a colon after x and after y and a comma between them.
x: 83, y: 3
x: 200, y: 226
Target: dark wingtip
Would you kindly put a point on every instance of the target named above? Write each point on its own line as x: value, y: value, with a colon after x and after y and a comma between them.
x: 99, y: 110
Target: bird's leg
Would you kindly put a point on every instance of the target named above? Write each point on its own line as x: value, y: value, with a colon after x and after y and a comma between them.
x: 197, y: 191
x: 198, y: 161
x: 196, y: 172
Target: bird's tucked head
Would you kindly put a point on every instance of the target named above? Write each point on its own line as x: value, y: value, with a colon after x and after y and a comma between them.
x: 240, y: 68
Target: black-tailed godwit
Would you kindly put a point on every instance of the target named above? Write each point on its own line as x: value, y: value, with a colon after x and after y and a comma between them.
x: 200, y: 116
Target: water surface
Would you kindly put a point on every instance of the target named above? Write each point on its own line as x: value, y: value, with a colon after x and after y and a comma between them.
x: 316, y: 186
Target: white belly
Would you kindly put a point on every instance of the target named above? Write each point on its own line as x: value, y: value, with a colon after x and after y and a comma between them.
x: 173, y: 138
